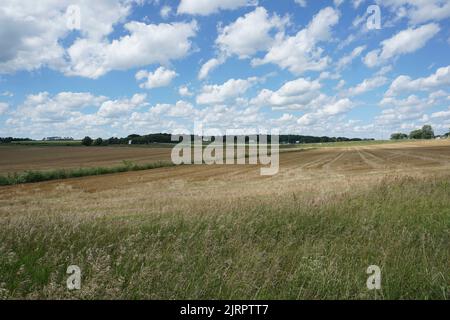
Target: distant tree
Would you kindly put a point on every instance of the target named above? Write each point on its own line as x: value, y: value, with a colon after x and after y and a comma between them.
x: 98, y: 142
x: 399, y: 136
x: 447, y: 134
x: 87, y: 141
x: 427, y: 132
x: 416, y: 134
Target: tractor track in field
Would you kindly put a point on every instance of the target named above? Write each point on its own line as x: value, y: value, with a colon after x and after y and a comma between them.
x: 302, y: 166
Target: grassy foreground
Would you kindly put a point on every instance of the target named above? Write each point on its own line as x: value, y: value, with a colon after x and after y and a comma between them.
x: 292, y: 249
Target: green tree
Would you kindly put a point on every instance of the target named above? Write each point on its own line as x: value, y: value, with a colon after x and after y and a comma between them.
x: 427, y: 132
x: 98, y: 142
x: 399, y: 136
x: 416, y: 134
x: 87, y: 141
x: 447, y: 134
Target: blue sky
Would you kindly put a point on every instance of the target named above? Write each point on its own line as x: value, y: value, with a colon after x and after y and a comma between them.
x: 116, y: 67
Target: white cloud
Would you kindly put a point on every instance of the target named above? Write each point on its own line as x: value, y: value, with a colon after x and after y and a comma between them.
x: 3, y: 108
x: 331, y: 109
x: 337, y: 107
x: 250, y: 33
x: 420, y: 11
x: 406, y: 41
x: 398, y: 111
x: 66, y: 113
x: 286, y: 117
x: 340, y: 85
x: 31, y: 34
x: 185, y: 92
x: 402, y: 84
x: 7, y: 94
x: 120, y: 107
x: 301, y: 3
x: 208, y: 66
x: 441, y: 114
x: 206, y: 7
x: 347, y: 59
x: 300, y: 53
x: 180, y: 109
x: 296, y: 94
x: 44, y: 108
x: 165, y: 12
x: 146, y: 44
x: 233, y: 88
x: 161, y: 77
x: 410, y: 112
x: 367, y: 85
x: 357, y: 3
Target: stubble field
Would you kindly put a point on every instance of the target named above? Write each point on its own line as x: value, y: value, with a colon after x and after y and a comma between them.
x: 202, y: 232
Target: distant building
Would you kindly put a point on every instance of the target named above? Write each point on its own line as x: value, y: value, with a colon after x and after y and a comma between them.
x: 58, y: 139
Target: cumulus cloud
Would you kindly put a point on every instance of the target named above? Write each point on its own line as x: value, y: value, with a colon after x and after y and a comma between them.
x: 367, y: 85
x: 69, y: 113
x: 145, y: 44
x: 32, y: 37
x: 419, y: 11
x: 206, y: 7
x: 296, y: 94
x: 180, y: 109
x: 43, y: 107
x: 398, y: 111
x: 161, y: 77
x: 404, y: 42
x: 185, y: 92
x: 165, y: 12
x: 30, y: 34
x: 411, y: 112
x: 250, y: 33
x: 120, y: 107
x: 209, y: 66
x: 403, y: 84
x: 331, y: 109
x: 347, y: 59
x: 300, y: 53
x: 231, y: 89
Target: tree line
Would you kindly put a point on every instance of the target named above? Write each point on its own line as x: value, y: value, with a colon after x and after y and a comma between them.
x: 426, y: 132
x: 166, y: 138
x: 11, y: 139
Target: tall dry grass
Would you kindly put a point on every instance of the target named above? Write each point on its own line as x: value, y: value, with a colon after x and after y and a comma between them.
x: 310, y: 243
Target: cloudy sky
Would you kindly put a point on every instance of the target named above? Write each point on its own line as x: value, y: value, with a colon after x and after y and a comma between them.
x: 302, y: 66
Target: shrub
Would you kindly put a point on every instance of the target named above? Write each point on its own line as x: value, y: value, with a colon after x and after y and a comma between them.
x: 98, y: 142
x: 38, y: 176
x: 87, y: 141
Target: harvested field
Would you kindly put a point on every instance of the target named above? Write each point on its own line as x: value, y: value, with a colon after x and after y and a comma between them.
x: 21, y: 158
x: 203, y: 232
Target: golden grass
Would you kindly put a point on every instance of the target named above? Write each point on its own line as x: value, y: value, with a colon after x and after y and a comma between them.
x: 203, y: 232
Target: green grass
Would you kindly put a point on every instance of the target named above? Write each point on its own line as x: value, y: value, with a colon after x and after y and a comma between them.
x: 47, y: 143
x: 292, y: 249
x: 39, y: 176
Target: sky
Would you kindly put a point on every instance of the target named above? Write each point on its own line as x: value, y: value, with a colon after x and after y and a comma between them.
x: 118, y: 67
